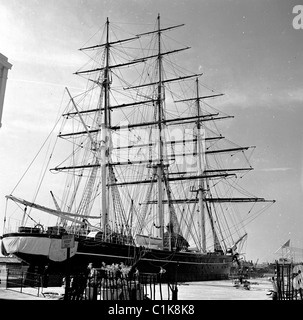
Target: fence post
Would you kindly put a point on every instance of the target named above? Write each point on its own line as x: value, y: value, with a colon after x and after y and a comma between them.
x: 21, y: 281
x: 160, y: 286
x: 7, y: 277
x: 38, y: 283
x: 67, y: 275
x: 175, y: 292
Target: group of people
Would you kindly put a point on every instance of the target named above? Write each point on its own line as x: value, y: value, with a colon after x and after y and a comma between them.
x: 87, y: 282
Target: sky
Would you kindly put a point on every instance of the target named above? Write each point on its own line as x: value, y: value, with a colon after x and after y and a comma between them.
x: 249, y: 50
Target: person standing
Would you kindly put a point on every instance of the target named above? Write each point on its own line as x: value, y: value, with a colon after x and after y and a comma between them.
x: 92, y: 282
x: 274, y: 289
x: 45, y: 276
x: 298, y: 283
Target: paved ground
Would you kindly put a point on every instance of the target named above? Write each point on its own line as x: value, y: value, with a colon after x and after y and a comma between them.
x: 225, y: 290
x: 206, y: 290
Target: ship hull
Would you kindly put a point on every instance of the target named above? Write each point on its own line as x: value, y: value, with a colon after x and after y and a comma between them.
x: 178, y: 266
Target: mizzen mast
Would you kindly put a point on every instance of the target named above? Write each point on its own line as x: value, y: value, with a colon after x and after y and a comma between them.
x: 201, y: 168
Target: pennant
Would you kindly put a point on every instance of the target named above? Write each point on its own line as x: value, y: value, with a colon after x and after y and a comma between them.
x: 286, y: 244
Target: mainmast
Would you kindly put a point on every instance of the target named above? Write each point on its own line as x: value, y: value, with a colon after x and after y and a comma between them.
x: 160, y: 141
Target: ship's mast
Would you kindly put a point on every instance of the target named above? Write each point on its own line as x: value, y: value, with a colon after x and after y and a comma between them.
x: 160, y: 141
x: 104, y: 136
x: 201, y: 168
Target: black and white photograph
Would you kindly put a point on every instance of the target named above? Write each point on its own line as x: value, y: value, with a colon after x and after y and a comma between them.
x: 151, y: 150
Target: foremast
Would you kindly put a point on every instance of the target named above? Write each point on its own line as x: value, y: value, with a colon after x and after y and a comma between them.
x: 104, y: 136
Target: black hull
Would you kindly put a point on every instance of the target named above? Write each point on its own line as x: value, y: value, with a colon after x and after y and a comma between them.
x: 179, y: 266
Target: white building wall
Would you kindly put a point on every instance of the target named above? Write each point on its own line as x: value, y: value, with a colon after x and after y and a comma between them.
x: 4, y: 67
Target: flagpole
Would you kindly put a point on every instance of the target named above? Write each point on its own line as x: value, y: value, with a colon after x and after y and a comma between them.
x: 286, y: 244
x: 281, y: 247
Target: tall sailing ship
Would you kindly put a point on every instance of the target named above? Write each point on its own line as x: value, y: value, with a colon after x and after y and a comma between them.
x: 149, y: 179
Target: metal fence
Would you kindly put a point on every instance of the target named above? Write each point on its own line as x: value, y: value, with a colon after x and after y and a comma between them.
x: 19, y: 280
x: 289, y: 281
x: 104, y: 285
x: 98, y: 285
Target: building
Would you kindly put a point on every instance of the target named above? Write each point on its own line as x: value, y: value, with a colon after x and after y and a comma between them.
x: 8, y: 263
x: 4, y: 67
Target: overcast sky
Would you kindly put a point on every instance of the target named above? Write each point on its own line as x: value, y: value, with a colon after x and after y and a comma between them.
x: 247, y: 49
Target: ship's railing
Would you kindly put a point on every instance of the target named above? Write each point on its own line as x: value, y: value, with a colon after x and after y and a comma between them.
x: 111, y: 237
